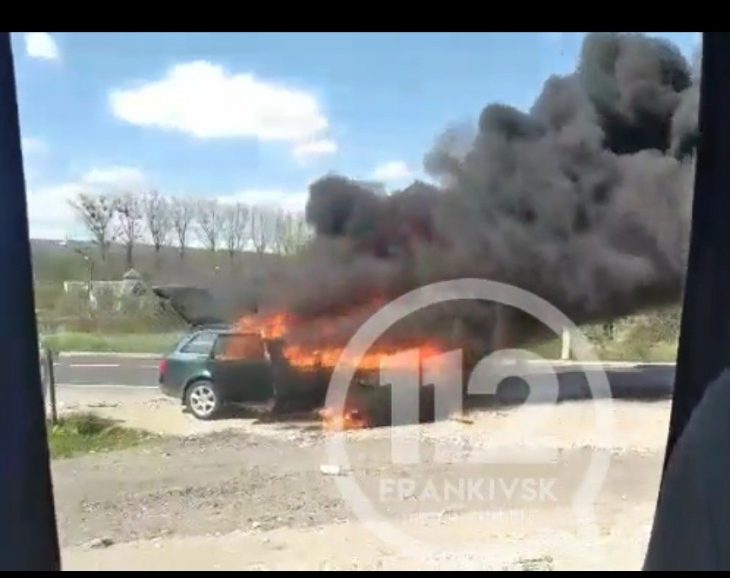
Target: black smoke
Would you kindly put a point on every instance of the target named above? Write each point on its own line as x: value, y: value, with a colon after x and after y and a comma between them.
x: 584, y: 199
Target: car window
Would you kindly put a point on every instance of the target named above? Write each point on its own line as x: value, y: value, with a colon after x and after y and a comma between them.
x: 242, y: 346
x: 201, y: 343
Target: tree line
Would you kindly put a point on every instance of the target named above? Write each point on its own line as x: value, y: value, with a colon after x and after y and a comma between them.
x: 165, y: 221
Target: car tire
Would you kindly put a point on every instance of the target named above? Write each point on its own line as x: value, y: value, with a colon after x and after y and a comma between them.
x: 202, y: 399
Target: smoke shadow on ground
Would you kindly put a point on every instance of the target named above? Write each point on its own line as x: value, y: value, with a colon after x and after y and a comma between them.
x: 636, y: 383
x: 647, y: 383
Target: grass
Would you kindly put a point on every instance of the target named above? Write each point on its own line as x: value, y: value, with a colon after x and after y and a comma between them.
x: 84, y: 433
x: 634, y: 348
x: 121, y: 342
x: 648, y: 337
x: 662, y: 351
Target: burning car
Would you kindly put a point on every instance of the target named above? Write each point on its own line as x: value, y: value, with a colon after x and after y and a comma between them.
x: 199, y: 373
x: 251, y: 362
x: 214, y: 366
x: 277, y: 359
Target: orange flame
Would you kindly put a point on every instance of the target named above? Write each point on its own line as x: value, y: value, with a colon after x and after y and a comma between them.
x: 270, y: 326
x: 279, y: 325
x: 329, y: 357
x: 347, y: 420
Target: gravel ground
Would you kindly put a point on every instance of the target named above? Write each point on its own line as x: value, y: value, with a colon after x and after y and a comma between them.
x: 246, y: 493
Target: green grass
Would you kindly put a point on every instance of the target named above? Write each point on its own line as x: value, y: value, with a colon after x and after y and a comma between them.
x: 548, y: 349
x: 649, y: 337
x: 638, y: 351
x: 84, y: 433
x: 122, y: 342
x: 634, y: 348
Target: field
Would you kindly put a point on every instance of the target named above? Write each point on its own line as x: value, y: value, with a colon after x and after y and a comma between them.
x: 236, y: 276
x: 111, y: 342
x: 54, y: 263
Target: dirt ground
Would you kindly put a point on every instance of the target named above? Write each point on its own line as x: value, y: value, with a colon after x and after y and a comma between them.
x: 248, y: 493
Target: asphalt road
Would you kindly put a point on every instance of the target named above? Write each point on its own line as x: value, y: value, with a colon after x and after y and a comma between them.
x: 627, y: 381
x: 106, y: 370
x: 636, y: 382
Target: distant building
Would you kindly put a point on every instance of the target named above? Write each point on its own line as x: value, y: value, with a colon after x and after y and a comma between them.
x: 112, y: 292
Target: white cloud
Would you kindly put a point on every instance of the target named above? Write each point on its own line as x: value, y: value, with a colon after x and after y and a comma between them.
x: 308, y: 150
x: 293, y: 201
x: 41, y: 45
x: 115, y: 179
x: 51, y: 217
x: 34, y: 150
x: 392, y: 172
x: 207, y: 101
x: 33, y: 145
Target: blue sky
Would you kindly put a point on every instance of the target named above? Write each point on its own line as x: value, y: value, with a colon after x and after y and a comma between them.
x: 257, y: 117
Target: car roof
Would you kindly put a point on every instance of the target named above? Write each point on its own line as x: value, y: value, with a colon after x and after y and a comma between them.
x: 212, y: 326
x: 223, y: 330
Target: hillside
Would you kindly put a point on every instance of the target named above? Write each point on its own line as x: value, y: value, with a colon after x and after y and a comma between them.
x: 54, y: 262
x: 240, y: 278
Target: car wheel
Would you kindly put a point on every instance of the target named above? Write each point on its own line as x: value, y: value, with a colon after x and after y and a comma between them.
x: 202, y: 400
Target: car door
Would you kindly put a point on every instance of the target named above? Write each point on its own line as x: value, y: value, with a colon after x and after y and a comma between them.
x: 241, y: 368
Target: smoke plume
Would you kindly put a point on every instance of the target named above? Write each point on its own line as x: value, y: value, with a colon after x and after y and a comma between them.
x: 584, y: 200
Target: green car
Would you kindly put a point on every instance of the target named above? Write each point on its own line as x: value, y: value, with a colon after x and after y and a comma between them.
x: 201, y: 372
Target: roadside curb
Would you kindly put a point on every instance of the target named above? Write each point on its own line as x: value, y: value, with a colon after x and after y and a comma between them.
x: 109, y: 354
x: 599, y: 363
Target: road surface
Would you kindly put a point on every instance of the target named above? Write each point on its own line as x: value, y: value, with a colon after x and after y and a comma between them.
x: 627, y: 380
x: 106, y: 370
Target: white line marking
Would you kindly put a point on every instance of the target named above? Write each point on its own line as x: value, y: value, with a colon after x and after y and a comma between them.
x: 103, y: 386
x: 106, y: 365
x: 110, y: 354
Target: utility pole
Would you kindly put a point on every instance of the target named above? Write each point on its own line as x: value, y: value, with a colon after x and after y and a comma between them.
x: 565, y: 350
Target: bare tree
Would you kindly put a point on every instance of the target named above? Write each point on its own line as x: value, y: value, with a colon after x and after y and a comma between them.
x: 281, y: 224
x: 291, y: 232
x: 182, y: 212
x: 235, y: 227
x: 209, y: 218
x: 97, y: 214
x: 262, y: 228
x: 157, y: 218
x: 128, y: 207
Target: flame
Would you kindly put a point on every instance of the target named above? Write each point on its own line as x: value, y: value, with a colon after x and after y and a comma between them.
x: 348, y: 420
x: 273, y: 326
x: 329, y: 357
x: 280, y: 325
